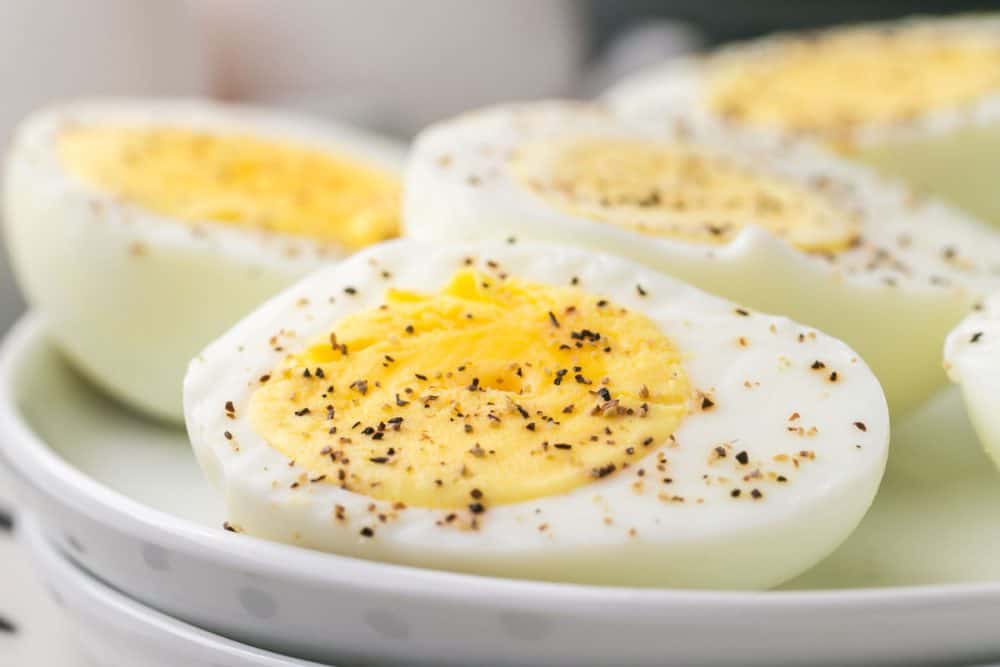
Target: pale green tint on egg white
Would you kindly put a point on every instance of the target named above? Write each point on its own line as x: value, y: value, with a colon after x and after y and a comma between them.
x: 960, y: 166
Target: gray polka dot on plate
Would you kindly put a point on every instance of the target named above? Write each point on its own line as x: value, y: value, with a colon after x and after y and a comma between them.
x: 524, y: 626
x: 258, y: 604
x: 156, y: 557
x: 387, y: 624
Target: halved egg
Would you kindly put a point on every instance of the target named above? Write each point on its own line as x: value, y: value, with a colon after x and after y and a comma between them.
x: 780, y: 226
x: 537, y: 411
x: 972, y: 359
x: 144, y: 229
x: 917, y: 98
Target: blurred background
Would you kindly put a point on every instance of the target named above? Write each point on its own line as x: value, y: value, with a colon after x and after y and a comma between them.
x: 391, y: 65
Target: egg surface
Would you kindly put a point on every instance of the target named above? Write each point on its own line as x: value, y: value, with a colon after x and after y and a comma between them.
x: 537, y: 411
x: 781, y: 226
x: 972, y: 359
x: 917, y: 98
x: 143, y: 229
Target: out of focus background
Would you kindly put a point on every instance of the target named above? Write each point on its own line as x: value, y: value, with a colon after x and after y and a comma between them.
x: 391, y: 65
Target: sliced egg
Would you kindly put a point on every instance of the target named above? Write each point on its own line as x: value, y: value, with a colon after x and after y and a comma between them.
x: 781, y: 226
x: 972, y: 359
x: 917, y: 98
x: 143, y: 229
x: 540, y: 412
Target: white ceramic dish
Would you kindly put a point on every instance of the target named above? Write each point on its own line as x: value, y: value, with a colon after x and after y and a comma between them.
x: 918, y: 583
x: 114, y: 631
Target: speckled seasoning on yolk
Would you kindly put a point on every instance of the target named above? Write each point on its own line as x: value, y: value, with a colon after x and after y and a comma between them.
x: 832, y: 84
x: 237, y: 179
x: 490, y: 392
x: 676, y: 191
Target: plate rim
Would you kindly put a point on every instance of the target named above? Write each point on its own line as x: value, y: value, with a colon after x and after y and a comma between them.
x: 31, y: 534
x: 28, y: 456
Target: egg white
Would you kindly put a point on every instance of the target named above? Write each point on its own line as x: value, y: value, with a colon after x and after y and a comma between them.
x: 952, y: 152
x: 972, y: 359
x: 458, y: 185
x: 129, y: 295
x: 722, y: 542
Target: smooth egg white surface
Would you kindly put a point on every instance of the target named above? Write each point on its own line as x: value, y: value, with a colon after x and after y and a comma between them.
x: 131, y: 295
x: 777, y: 388
x: 916, y: 268
x: 949, y: 149
x: 972, y: 360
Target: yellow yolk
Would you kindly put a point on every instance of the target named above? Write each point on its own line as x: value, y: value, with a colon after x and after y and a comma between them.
x: 237, y: 179
x: 490, y: 392
x: 830, y: 85
x: 676, y: 191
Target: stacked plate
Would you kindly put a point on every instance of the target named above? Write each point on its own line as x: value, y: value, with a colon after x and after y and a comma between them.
x: 121, y: 530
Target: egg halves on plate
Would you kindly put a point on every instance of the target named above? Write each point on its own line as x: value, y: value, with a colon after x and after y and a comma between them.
x: 917, y: 98
x: 537, y: 411
x: 142, y: 230
x: 778, y: 225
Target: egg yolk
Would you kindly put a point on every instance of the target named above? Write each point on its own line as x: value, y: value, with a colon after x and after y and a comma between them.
x: 492, y: 391
x: 676, y: 191
x: 830, y: 85
x: 236, y: 179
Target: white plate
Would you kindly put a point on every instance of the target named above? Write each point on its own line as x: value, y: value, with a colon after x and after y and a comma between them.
x: 115, y: 631
x: 918, y: 583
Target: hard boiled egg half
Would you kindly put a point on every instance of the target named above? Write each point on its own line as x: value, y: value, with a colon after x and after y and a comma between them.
x: 972, y: 359
x: 537, y: 411
x: 781, y: 226
x: 144, y: 229
x: 917, y: 98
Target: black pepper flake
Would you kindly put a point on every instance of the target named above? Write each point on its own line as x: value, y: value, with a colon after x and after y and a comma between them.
x: 640, y: 290
x: 742, y: 312
x: 553, y: 320
x: 833, y: 376
x: 976, y: 336
x: 264, y: 378
x: 474, y: 385
x: 604, y: 394
x: 563, y: 445
x: 743, y: 457
x: 603, y: 471
x: 707, y: 403
x: 229, y: 527
x: 735, y: 493
x: 400, y: 402
x: 230, y: 409
x: 860, y: 426
x: 379, y: 459
x: 228, y: 435
x: 367, y: 531
x: 817, y: 365
x: 477, y: 508
x: 360, y: 386
x: 756, y: 494
x: 319, y: 373
x: 421, y: 377
x: 602, y: 303
x: 350, y: 290
x: 303, y: 412
x: 521, y: 411
x: 476, y: 493
x: 409, y: 328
